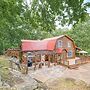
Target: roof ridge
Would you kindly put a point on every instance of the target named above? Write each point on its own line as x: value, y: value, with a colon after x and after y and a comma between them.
x: 45, y: 39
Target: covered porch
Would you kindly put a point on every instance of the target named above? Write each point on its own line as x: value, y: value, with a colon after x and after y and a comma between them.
x: 46, y: 58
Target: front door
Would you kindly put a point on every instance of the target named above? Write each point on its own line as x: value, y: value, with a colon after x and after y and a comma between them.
x: 63, y: 57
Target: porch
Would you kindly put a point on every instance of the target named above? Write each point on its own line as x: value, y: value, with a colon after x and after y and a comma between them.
x: 46, y: 58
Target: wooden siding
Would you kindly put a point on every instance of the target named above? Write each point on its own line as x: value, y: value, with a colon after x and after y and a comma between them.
x: 65, y: 41
x: 13, y: 53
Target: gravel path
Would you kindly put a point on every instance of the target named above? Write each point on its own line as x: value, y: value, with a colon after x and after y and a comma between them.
x: 46, y: 73
x: 83, y: 73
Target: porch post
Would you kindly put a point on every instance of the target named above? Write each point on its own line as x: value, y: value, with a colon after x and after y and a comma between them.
x: 48, y: 60
x: 35, y: 62
x: 40, y: 64
x: 55, y: 60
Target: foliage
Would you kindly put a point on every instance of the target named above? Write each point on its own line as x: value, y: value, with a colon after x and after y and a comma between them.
x: 4, y: 65
x: 18, y: 20
x: 81, y: 34
x: 64, y: 11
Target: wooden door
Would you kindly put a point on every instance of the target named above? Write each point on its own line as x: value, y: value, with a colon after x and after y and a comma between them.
x: 63, y: 56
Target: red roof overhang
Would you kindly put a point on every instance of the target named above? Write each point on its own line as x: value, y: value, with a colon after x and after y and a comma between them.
x: 38, y: 45
x: 59, y: 50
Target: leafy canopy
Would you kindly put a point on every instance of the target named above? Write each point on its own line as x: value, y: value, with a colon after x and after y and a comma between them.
x: 18, y: 20
x: 64, y: 11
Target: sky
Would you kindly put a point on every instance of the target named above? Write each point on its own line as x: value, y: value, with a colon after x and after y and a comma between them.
x: 86, y: 1
x: 88, y: 9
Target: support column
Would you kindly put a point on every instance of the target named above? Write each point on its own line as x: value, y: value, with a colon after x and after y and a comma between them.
x: 49, y: 61
x: 55, y: 60
x: 35, y: 62
x: 40, y: 64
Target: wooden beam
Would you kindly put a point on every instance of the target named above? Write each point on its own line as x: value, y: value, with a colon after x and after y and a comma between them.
x: 35, y: 62
x: 48, y: 60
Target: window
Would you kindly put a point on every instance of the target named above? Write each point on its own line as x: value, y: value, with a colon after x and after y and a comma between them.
x: 59, y: 44
x: 70, y: 53
x: 69, y: 44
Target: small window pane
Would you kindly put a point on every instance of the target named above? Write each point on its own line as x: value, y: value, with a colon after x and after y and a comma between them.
x: 69, y: 44
x: 59, y: 44
x: 70, y: 54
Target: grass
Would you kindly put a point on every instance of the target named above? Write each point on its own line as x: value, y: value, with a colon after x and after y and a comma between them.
x: 5, y: 73
x: 68, y: 84
x: 4, y: 65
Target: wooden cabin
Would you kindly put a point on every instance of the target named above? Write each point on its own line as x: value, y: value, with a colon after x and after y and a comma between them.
x: 13, y: 53
x: 60, y: 50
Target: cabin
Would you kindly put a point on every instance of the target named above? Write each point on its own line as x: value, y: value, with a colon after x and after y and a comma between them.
x: 13, y: 53
x: 59, y: 50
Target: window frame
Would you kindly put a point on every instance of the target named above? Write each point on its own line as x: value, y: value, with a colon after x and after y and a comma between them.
x: 68, y: 44
x: 70, y: 53
x: 59, y: 43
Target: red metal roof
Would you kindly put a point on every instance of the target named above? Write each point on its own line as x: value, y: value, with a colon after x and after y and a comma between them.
x: 33, y: 45
x: 59, y: 50
x: 36, y: 45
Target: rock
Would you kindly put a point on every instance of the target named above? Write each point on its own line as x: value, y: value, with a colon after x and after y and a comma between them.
x: 80, y: 82
x: 6, y: 85
x: 14, y: 88
x: 42, y: 86
x: 28, y: 84
x: 5, y: 88
x: 27, y: 88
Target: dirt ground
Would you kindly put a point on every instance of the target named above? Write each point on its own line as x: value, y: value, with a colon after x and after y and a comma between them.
x: 55, y: 77
x: 12, y: 79
x: 67, y: 84
x: 53, y: 72
x: 82, y: 73
x: 62, y: 78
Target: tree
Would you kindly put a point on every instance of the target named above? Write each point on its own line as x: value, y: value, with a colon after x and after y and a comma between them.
x: 10, y: 22
x: 18, y: 20
x: 65, y: 11
x: 81, y: 35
